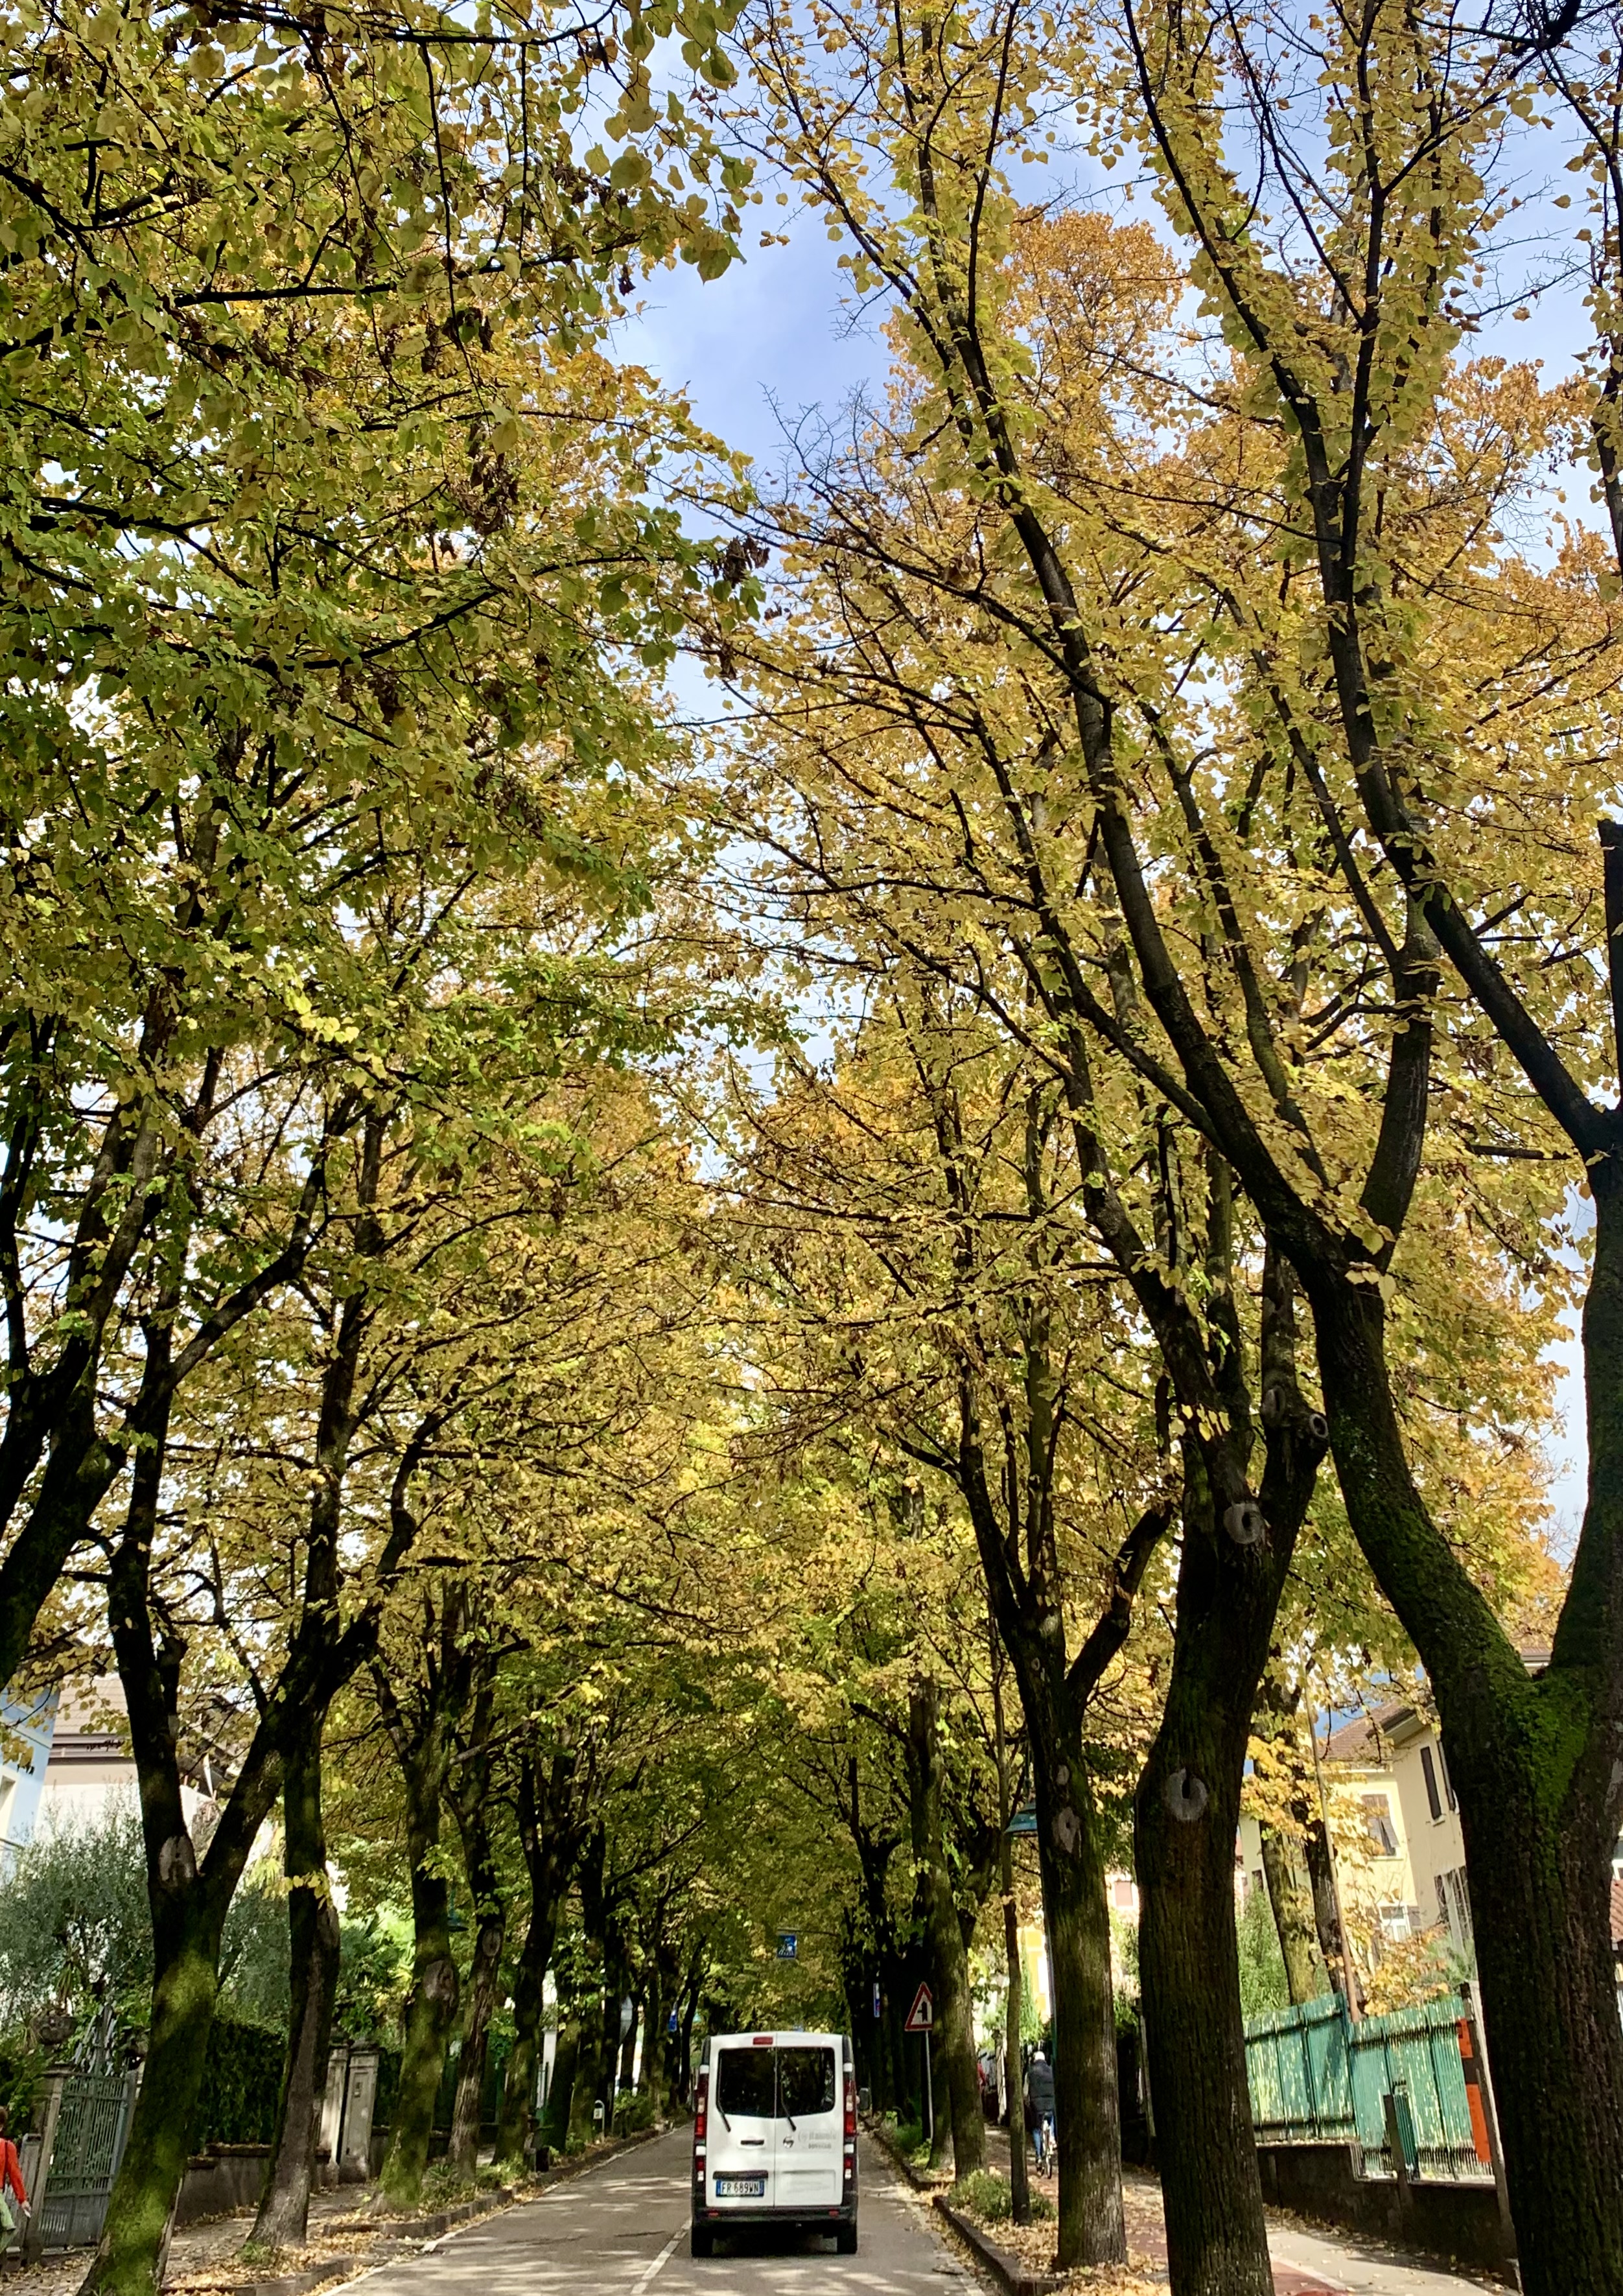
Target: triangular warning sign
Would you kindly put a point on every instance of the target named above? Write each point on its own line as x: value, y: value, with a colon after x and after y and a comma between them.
x: 922, y: 2016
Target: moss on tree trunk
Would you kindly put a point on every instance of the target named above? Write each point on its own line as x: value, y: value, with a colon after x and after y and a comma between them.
x: 129, y: 2256
x: 313, y: 1941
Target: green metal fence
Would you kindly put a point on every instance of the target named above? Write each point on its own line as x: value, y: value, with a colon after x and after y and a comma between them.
x: 1318, y: 2078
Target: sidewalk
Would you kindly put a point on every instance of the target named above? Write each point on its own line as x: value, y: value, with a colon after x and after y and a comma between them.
x: 210, y: 2253
x: 1308, y: 2260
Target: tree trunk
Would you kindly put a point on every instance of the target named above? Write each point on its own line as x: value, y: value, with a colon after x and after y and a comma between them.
x: 1187, y: 1811
x: 1020, y: 2184
x: 1291, y: 1895
x: 484, y: 1979
x: 1326, y: 1916
x: 1536, y: 1772
x: 588, y: 2065
x: 431, y: 2013
x: 953, y: 2038
x: 608, y: 2038
x: 186, y: 1926
x: 1092, y: 2228
x: 549, y: 1833
x: 627, y: 2063
x: 431, y: 2010
x: 313, y: 1940
x: 555, y: 2124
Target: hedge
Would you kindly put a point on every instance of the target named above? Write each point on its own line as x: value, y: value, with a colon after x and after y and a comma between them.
x: 242, y: 2085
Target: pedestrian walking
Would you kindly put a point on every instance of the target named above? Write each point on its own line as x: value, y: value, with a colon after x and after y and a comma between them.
x: 11, y: 2182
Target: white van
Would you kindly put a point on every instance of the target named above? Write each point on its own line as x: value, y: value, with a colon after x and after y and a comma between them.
x: 775, y: 2135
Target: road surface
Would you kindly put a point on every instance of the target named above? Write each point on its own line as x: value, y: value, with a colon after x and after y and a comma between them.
x: 623, y: 2228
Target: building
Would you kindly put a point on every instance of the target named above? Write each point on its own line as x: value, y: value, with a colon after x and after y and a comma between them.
x: 26, y: 1729
x: 65, y: 1760
x: 1408, y: 1862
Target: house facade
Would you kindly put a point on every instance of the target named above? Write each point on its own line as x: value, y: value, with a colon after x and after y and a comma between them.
x: 1396, y: 1824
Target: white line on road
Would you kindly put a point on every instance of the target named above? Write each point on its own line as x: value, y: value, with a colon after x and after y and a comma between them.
x: 660, y: 2262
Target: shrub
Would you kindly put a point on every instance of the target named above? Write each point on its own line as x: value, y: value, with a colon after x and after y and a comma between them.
x: 633, y: 2112
x: 1042, y: 2206
x: 984, y: 2195
x: 908, y: 2136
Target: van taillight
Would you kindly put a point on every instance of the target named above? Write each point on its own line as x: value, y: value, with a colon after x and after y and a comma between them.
x: 700, y: 2103
x: 850, y: 2107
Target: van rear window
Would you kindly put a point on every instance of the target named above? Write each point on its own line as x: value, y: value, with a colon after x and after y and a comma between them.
x: 745, y: 2082
x: 805, y: 2081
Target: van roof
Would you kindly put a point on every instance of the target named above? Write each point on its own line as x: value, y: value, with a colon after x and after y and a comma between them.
x: 791, y: 2035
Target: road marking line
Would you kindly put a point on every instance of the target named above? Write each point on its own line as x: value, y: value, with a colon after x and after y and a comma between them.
x: 659, y: 2263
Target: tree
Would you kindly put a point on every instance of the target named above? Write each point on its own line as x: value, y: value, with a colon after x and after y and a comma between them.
x: 231, y: 607
x: 959, y: 1312
x: 1108, y: 570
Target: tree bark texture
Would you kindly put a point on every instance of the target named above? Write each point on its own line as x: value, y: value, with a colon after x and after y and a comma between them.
x: 554, y: 2126
x: 1092, y: 2228
x: 550, y: 1836
x: 313, y: 1941
x: 423, y: 1746
x: 1231, y: 1572
x: 469, y: 1788
x: 483, y: 1982
x: 1284, y: 1869
x: 1538, y: 1779
x: 1020, y: 2165
x: 186, y: 1928
x: 953, y: 2038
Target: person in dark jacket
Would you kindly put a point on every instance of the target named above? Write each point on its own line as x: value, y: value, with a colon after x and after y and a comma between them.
x: 1039, y: 2090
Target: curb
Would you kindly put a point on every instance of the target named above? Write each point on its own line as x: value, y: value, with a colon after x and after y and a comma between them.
x: 1015, y: 2278
x: 920, y: 2179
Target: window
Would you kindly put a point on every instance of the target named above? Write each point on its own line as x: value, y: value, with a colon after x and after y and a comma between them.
x: 1442, y: 1764
x: 1378, y: 1817
x: 805, y: 2081
x: 1453, y: 1904
x: 1432, y: 1796
x: 747, y: 2083
x: 1395, y: 1922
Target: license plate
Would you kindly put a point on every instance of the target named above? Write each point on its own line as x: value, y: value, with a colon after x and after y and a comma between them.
x: 740, y: 2188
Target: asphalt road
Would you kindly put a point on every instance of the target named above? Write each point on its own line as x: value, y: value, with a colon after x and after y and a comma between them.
x: 623, y: 2228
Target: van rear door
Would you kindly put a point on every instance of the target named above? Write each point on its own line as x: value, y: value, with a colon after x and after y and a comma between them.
x: 810, y: 2126
x: 740, y: 2162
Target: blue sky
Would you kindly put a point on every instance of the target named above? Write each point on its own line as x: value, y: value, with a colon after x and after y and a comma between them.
x: 770, y: 329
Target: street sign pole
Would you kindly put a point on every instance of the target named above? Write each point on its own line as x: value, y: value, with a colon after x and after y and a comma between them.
x: 920, y: 2018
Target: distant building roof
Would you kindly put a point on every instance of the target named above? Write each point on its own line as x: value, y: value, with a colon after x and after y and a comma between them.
x: 1359, y: 1741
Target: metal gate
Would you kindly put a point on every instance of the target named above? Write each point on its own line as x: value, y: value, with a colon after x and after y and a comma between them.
x: 91, y: 2123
